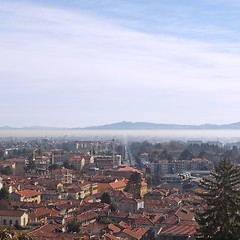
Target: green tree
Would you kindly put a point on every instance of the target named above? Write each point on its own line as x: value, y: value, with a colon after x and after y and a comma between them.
x: 105, y: 198
x: 165, y: 155
x: 4, y: 199
x: 149, y: 180
x: 4, y: 194
x: 104, y: 220
x: 67, y: 165
x: 23, y: 236
x: 74, y: 226
x: 220, y: 218
x: 134, y: 184
x: 53, y: 167
x: 1, y: 154
x: 31, y: 165
x: 6, y: 170
x: 113, y: 206
x: 186, y: 155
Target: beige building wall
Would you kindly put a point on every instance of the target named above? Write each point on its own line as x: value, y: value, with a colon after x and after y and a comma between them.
x: 14, y: 220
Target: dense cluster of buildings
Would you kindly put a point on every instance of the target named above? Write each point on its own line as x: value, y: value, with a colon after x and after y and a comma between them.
x: 48, y: 196
x: 163, y: 167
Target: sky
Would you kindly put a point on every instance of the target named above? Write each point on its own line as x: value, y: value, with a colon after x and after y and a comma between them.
x: 78, y: 63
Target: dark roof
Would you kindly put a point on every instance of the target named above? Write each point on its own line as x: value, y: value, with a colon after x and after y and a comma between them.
x: 12, y: 213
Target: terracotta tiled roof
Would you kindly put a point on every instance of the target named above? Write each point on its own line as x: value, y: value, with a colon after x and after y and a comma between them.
x: 12, y: 213
x: 124, y: 225
x: 119, y: 193
x: 42, y: 212
x: 127, y: 168
x: 87, y: 216
x: 117, y: 185
x: 26, y: 205
x: 178, y: 230
x: 46, y: 231
x: 109, y: 236
x: 185, y: 214
x: 113, y: 228
x: 169, y: 219
x: 146, y: 220
x: 136, y: 233
x: 27, y: 193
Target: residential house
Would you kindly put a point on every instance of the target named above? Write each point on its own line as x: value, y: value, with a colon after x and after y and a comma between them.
x: 63, y: 175
x: 50, y: 195
x: 26, y: 196
x: 80, y: 190
x: 117, y: 195
x: 116, y: 185
x: 49, y: 230
x: 64, y: 208
x: 122, y: 171
x: 134, y: 234
x: 78, y: 162
x: 152, y: 201
x: 131, y: 205
x: 41, y: 214
x: 13, y: 217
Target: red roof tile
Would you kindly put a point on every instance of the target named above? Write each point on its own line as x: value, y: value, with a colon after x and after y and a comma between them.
x: 12, y: 213
x: 178, y: 230
x: 27, y: 193
x: 114, y: 228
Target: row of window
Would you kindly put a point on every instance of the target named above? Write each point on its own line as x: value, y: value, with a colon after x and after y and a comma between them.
x: 10, y: 222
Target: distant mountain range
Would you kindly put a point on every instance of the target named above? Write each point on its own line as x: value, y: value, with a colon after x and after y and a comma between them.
x: 156, y: 126
x: 137, y: 126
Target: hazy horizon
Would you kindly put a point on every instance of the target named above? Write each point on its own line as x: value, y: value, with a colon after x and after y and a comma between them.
x: 70, y: 127
x: 161, y: 135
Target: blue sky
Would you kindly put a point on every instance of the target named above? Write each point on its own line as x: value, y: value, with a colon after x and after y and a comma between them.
x: 80, y: 63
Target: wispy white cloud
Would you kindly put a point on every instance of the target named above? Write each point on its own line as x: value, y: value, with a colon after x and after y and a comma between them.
x: 52, y: 50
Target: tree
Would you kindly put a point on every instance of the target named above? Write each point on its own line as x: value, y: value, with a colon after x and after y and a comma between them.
x: 134, y: 184
x: 53, y: 167
x: 31, y: 165
x: 23, y: 236
x: 1, y: 153
x: 4, y: 199
x: 104, y: 220
x: 6, y: 170
x: 105, y: 198
x: 74, y: 226
x: 220, y: 218
x: 149, y: 179
x: 4, y: 194
x: 4, y: 205
x: 67, y: 165
x: 186, y: 155
x: 113, y: 206
x: 164, y: 155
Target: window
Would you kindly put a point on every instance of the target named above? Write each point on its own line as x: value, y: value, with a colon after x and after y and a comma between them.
x: 4, y: 222
x: 16, y: 222
x: 10, y: 222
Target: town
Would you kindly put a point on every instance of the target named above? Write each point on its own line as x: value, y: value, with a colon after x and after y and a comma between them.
x: 56, y: 188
